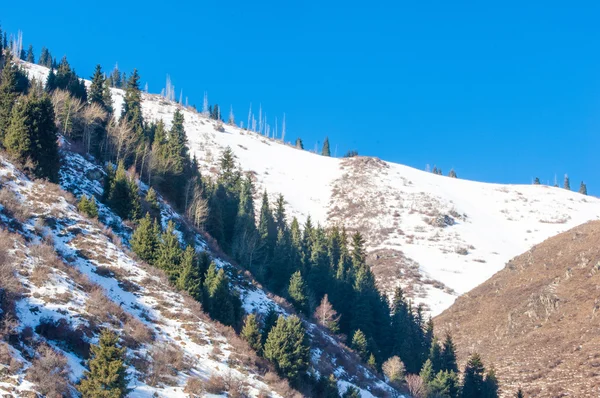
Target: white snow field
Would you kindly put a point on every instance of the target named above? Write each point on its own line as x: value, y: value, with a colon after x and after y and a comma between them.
x: 439, y: 236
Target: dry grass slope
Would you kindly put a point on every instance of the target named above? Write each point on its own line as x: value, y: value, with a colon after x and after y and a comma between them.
x: 538, y: 320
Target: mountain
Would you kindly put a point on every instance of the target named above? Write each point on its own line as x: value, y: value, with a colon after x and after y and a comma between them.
x: 537, y: 319
x: 436, y: 236
x: 66, y: 276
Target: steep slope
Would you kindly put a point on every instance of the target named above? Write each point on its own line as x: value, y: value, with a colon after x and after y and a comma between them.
x: 75, y: 275
x: 437, y: 236
x: 537, y: 319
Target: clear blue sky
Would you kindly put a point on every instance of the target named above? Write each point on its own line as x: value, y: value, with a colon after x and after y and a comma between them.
x: 501, y: 92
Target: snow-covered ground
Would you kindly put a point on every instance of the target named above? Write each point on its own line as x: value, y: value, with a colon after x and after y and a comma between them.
x: 457, y: 233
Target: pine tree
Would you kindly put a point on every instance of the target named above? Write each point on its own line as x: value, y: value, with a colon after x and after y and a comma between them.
x: 45, y: 58
x: 107, y: 377
x: 287, y: 347
x: 582, y: 189
x: 566, y: 184
x: 145, y: 239
x: 490, y: 384
x: 299, y: 143
x: 473, y: 377
x: 448, y: 356
x: 359, y: 344
x: 426, y: 373
x: 519, y: 394
x: 445, y: 384
x: 251, y: 333
x: 222, y: 303
x: 435, y: 356
x: 96, y: 93
x: 30, y: 57
x: 132, y: 106
x: 536, y: 181
x: 169, y: 253
x: 31, y: 136
x: 88, y: 206
x: 190, y: 278
x: 297, y: 292
x: 8, y: 94
x: 452, y: 174
x: 326, y: 151
x: 270, y: 319
x: 120, y: 195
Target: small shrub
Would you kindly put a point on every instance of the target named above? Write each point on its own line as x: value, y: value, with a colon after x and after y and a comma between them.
x: 136, y: 333
x: 215, y: 384
x: 14, y: 206
x: 104, y: 309
x: 194, y: 387
x: 60, y: 331
x: 50, y: 373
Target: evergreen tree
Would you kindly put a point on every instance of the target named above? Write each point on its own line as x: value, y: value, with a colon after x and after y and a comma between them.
x: 51, y: 81
x: 8, y: 94
x: 299, y: 143
x: 567, y: 184
x: 45, y: 58
x: 88, y: 206
x: 132, y: 106
x: 145, y: 239
x: 445, y: 384
x: 251, y: 333
x: 435, y: 356
x: 190, y: 277
x: 519, y: 394
x: 452, y: 174
x: 287, y: 347
x: 66, y: 79
x: 536, y: 181
x: 120, y: 196
x: 359, y: 344
x: 427, y: 374
x: 107, y: 377
x: 297, y: 292
x: 30, y: 57
x: 31, y: 136
x: 169, y: 253
x: 326, y: 151
x: 326, y: 387
x: 473, y: 377
x: 449, y: 355
x: 582, y: 188
x: 222, y: 303
x: 269, y: 321
x: 490, y: 385
x: 96, y: 94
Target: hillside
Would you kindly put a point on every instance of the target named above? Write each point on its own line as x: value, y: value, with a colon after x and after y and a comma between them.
x: 66, y: 276
x: 436, y: 236
x: 537, y: 319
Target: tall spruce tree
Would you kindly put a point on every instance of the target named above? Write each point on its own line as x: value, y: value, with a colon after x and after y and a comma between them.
x: 490, y: 384
x: 190, y: 277
x: 107, y: 377
x: 132, y: 106
x: 326, y: 151
x: 582, y: 188
x: 169, y: 253
x: 298, y: 293
x: 8, y: 94
x: 251, y: 333
x: 567, y: 184
x: 145, y: 239
x: 299, y: 143
x: 30, y: 57
x: 360, y: 345
x: 449, y: 355
x: 222, y: 303
x: 473, y: 379
x: 287, y: 347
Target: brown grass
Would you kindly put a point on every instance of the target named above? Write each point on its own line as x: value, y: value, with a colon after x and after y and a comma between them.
x: 50, y: 373
x: 14, y: 206
x: 103, y: 309
x: 194, y: 386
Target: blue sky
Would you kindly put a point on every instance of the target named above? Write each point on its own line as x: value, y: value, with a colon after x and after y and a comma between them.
x: 500, y: 92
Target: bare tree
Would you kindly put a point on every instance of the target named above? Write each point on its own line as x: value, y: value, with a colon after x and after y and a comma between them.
x: 231, y: 120
x: 415, y: 385
x: 394, y: 369
x: 93, y: 116
x: 205, y: 105
x: 283, y: 129
x: 326, y: 315
x: 68, y: 113
x: 121, y: 141
x: 249, y: 116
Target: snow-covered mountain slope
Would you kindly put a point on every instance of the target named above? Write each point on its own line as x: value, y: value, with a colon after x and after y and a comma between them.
x: 74, y: 276
x: 436, y: 236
